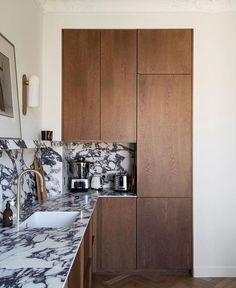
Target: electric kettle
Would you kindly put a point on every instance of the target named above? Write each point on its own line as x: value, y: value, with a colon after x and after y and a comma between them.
x: 97, y: 182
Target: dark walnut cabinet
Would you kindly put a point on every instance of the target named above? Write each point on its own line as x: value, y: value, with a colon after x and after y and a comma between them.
x: 164, y: 150
x: 164, y: 234
x: 165, y: 51
x: 81, y: 85
x: 99, y: 85
x: 81, y: 270
x: 101, y: 70
x: 116, y: 235
x: 164, y: 136
x: 118, y: 85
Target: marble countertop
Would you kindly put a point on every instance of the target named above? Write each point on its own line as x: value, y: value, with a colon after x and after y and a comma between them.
x: 42, y: 257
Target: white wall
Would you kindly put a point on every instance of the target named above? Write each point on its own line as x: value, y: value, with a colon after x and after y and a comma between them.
x: 213, y: 112
x: 21, y: 23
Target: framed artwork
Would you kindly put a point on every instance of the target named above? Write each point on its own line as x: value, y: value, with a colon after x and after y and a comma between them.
x: 10, y: 126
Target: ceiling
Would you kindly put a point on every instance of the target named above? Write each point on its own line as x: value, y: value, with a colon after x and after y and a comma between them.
x: 79, y: 6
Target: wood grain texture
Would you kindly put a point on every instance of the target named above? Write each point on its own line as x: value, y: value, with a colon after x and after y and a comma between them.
x: 165, y: 51
x: 87, y: 256
x: 97, y: 232
x: 96, y: 236
x: 118, y: 234
x: 164, y: 136
x: 81, y: 85
x: 118, y: 85
x: 164, y: 233
x: 76, y: 276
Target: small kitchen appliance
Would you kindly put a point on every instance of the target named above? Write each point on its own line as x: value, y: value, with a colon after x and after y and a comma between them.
x: 79, y: 170
x: 120, y: 182
x: 97, y: 182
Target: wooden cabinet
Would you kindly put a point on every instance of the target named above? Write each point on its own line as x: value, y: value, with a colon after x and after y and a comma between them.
x: 118, y: 235
x: 81, y: 85
x: 164, y: 150
x: 118, y: 85
x: 165, y: 51
x: 164, y: 234
x: 81, y: 270
x: 99, y: 103
x: 76, y: 276
x: 88, y: 254
x: 99, y: 85
x: 164, y: 136
x: 97, y: 237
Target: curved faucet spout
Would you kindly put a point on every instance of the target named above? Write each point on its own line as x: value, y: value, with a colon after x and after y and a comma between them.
x: 19, y: 190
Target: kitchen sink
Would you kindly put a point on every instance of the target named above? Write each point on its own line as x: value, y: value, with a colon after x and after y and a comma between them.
x: 50, y: 219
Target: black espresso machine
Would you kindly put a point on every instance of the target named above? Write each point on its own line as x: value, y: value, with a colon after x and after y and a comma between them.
x: 79, y: 172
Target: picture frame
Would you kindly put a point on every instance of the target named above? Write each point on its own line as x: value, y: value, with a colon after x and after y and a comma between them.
x: 10, y: 125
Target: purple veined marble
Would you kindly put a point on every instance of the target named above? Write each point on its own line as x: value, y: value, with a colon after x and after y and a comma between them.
x: 106, y: 158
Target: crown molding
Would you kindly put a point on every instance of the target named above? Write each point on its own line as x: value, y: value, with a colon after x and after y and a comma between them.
x: 136, y: 6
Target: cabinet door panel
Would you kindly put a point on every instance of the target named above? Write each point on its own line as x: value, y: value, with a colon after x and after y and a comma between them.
x: 118, y: 230
x: 76, y: 276
x: 164, y: 233
x: 97, y: 236
x: 118, y: 85
x: 164, y: 136
x: 165, y: 51
x: 81, y: 85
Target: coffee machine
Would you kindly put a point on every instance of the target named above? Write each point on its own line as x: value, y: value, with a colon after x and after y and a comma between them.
x: 79, y: 171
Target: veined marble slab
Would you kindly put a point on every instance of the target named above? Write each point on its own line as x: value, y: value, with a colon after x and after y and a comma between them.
x: 12, y: 144
x: 105, y: 159
x: 42, y: 257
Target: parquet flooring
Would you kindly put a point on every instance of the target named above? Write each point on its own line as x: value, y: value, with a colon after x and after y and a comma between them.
x: 150, y: 281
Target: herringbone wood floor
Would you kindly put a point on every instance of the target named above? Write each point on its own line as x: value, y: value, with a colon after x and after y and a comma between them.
x: 148, y: 281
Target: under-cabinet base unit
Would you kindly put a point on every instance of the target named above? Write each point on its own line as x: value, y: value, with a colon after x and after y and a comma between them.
x: 116, y: 235
x: 81, y: 270
x: 164, y: 232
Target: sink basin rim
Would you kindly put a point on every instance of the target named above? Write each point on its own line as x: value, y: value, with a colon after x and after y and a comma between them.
x: 49, y: 219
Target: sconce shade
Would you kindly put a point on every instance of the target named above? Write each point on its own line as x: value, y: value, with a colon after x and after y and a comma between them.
x: 33, y: 92
x: 30, y: 92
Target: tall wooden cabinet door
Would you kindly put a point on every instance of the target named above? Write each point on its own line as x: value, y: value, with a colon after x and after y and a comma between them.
x: 81, y: 85
x: 164, y: 233
x: 118, y: 85
x: 118, y: 234
x: 164, y: 136
x: 165, y: 51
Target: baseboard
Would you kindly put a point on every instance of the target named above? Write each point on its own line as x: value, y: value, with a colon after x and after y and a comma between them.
x: 211, y: 271
x: 182, y: 272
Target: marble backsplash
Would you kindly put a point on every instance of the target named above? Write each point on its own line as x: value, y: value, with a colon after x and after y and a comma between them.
x: 106, y: 159
x: 13, y: 162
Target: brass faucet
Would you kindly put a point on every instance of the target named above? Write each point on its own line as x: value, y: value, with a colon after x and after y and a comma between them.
x: 19, y: 189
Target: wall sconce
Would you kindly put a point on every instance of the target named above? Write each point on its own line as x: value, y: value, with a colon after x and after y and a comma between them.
x: 30, y: 97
